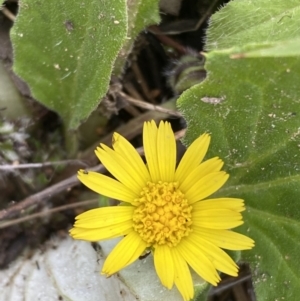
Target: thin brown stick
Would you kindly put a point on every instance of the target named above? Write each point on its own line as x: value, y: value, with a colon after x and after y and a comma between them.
x: 46, y: 213
x: 8, y: 14
x: 9, y: 167
x: 142, y: 81
x: 167, y: 40
x: 225, y: 286
x: 206, y: 15
x: 148, y: 106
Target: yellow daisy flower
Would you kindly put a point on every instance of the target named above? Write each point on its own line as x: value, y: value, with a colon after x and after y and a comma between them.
x: 166, y: 210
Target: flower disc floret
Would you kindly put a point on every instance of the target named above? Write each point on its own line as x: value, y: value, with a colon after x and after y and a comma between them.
x: 163, y: 215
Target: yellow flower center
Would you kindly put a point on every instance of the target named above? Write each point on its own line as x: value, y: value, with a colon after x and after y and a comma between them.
x: 163, y: 215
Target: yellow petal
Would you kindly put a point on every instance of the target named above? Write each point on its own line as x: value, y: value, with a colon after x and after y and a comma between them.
x: 217, y: 219
x: 212, y: 165
x: 124, y: 253
x: 129, y: 153
x: 220, y: 259
x: 150, y: 147
x: 106, y: 186
x: 183, y: 279
x: 192, y: 157
x: 102, y: 233
x: 166, y: 152
x: 206, y: 186
x: 164, y: 265
x: 224, y: 203
x: 120, y: 168
x: 198, y: 261
x: 225, y: 239
x: 102, y: 217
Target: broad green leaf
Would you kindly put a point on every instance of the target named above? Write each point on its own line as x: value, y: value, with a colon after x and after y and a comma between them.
x: 255, y: 129
x: 141, y: 13
x: 65, y: 52
x: 250, y: 103
x: 244, y: 21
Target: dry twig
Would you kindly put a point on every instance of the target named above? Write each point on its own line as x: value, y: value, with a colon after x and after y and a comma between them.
x: 148, y: 106
x: 8, y: 13
x: 9, y: 167
x: 46, y: 213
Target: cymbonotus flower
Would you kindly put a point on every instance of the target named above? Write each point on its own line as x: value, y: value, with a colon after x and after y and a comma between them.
x: 165, y: 209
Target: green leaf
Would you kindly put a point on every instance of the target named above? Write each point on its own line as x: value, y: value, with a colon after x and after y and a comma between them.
x: 256, y: 130
x: 244, y: 21
x: 250, y: 103
x: 66, y: 52
x: 141, y: 13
